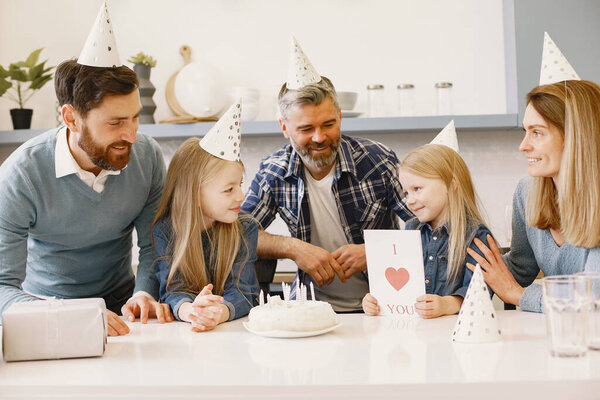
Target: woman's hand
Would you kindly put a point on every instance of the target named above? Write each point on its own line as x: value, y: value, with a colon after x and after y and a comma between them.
x: 495, y: 272
x: 433, y: 306
x: 369, y: 305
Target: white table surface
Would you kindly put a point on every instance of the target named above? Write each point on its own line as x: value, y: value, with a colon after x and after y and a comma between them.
x: 365, y: 358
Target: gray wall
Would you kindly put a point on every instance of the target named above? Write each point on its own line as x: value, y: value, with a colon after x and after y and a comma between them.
x: 574, y: 27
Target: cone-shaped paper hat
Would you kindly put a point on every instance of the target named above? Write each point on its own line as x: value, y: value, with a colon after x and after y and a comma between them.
x: 555, y: 67
x: 447, y: 137
x: 477, y: 322
x: 300, y: 72
x: 100, y: 48
x: 223, y: 139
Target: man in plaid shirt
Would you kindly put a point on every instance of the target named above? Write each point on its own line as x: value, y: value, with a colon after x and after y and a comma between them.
x: 327, y: 188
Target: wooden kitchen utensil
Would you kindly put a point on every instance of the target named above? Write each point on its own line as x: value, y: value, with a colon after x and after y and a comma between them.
x: 181, y: 117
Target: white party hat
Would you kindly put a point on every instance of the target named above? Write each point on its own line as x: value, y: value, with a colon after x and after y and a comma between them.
x: 100, y: 48
x: 223, y: 139
x: 477, y: 322
x: 555, y: 67
x: 300, y: 71
x: 447, y: 137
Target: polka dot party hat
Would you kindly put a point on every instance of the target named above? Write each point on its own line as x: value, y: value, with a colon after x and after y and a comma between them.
x: 100, y: 48
x: 477, y: 321
x: 223, y: 139
x: 447, y: 137
x: 300, y: 72
x: 555, y: 67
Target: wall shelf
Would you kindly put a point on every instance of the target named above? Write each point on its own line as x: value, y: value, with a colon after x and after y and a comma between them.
x: 351, y: 126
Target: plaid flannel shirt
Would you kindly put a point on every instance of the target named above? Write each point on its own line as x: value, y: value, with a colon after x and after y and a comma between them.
x: 365, y: 186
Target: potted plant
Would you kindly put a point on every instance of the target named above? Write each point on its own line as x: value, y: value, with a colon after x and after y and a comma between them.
x: 142, y: 63
x: 13, y: 84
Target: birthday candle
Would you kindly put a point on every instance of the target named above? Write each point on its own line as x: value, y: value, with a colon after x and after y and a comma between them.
x: 312, y: 291
x: 297, y: 289
x: 261, y: 301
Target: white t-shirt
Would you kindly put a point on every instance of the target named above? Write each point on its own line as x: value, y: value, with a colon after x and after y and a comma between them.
x: 326, y: 232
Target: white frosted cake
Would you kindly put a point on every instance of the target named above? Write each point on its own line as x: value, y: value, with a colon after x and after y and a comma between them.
x: 296, y: 316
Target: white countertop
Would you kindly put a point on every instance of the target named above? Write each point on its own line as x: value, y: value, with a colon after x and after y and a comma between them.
x: 365, y: 358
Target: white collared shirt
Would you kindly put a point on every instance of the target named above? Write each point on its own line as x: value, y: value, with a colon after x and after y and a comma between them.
x: 65, y: 164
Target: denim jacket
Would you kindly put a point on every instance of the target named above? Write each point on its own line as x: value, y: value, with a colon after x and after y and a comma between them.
x: 239, y: 296
x: 435, y: 257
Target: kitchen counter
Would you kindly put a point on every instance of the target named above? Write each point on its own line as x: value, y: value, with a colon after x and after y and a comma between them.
x: 364, y: 358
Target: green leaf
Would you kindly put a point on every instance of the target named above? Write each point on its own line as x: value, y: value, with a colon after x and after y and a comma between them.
x: 3, y: 72
x: 36, y: 72
x: 33, y: 58
x: 17, y: 74
x: 39, y: 82
x: 4, y: 85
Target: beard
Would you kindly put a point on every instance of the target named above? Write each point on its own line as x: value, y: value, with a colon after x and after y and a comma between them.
x: 102, y: 156
x: 318, y: 161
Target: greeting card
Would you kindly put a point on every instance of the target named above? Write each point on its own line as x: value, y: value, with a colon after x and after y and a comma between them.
x: 396, y: 272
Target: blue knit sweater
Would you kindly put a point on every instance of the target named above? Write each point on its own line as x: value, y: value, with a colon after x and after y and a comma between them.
x: 533, y: 249
x: 58, y: 237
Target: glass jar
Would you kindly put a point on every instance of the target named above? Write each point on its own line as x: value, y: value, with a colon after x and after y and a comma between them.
x: 444, y: 98
x: 406, y: 99
x: 376, y: 100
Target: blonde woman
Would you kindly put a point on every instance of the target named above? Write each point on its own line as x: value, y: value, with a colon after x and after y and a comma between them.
x: 439, y: 191
x: 205, y: 249
x: 556, y: 211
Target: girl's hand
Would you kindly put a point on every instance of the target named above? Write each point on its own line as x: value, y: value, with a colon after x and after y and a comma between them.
x: 495, y: 272
x: 206, y: 312
x: 433, y: 306
x: 369, y: 305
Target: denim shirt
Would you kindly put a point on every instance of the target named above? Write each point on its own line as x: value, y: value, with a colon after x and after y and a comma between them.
x: 239, y: 296
x: 435, y: 257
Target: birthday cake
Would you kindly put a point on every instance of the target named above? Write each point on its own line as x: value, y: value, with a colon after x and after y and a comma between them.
x: 292, y: 315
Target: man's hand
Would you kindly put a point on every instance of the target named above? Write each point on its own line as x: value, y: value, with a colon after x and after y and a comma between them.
x: 318, y: 263
x: 116, y: 326
x: 145, y: 307
x: 352, y: 258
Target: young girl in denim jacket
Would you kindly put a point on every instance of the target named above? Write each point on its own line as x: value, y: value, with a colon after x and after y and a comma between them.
x: 439, y: 191
x: 205, y: 249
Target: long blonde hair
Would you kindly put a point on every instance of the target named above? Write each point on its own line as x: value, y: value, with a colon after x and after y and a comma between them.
x: 434, y: 161
x: 190, y: 168
x: 573, y: 107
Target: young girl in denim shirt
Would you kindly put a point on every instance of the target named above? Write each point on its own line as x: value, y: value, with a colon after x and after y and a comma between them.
x: 439, y: 191
x: 205, y: 249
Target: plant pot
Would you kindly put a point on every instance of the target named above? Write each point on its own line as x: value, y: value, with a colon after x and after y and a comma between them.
x: 21, y: 117
x: 146, y: 89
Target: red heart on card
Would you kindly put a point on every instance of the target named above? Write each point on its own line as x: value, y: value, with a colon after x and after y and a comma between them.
x: 397, y: 277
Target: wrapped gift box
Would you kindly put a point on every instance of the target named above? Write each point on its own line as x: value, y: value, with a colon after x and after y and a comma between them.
x: 51, y: 329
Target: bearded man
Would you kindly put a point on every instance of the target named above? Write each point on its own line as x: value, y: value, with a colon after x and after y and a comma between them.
x: 71, y: 197
x: 327, y: 188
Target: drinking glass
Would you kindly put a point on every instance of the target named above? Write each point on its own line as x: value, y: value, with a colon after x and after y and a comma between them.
x: 593, y: 319
x: 566, y: 302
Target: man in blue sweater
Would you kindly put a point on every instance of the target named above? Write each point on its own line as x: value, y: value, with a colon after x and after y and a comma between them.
x: 71, y: 197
